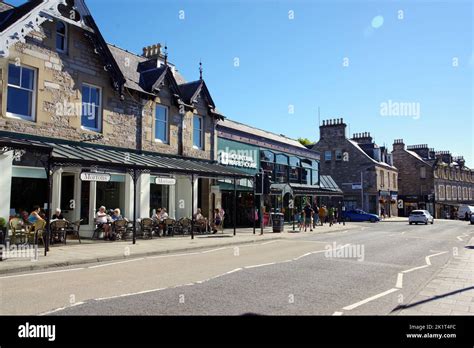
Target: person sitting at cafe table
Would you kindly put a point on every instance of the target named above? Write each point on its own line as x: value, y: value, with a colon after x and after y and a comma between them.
x: 57, y: 215
x: 102, y: 221
x: 35, y: 215
x: 157, y: 216
x: 200, y: 219
x: 116, y: 215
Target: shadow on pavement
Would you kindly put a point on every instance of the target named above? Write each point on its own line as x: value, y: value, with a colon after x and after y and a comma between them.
x: 400, y: 307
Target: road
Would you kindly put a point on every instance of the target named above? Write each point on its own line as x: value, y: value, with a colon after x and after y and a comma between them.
x: 365, y: 270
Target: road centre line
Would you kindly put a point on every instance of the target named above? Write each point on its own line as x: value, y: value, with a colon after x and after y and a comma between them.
x: 399, y: 284
x: 360, y: 303
x: 427, y: 259
x: 40, y: 273
x: 115, y: 263
x: 414, y: 269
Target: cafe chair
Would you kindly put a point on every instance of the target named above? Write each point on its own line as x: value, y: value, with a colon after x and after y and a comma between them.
x: 73, y: 228
x: 147, y: 227
x: 18, y: 230
x: 36, y: 232
x: 120, y: 228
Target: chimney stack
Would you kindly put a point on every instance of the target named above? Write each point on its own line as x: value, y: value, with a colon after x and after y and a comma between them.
x: 421, y: 150
x: 362, y: 138
x: 333, y: 128
x: 152, y: 52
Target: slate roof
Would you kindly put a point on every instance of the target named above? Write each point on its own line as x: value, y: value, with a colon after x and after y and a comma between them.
x: 261, y: 133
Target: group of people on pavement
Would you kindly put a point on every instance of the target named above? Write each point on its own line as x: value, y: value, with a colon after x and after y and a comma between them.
x: 312, y: 216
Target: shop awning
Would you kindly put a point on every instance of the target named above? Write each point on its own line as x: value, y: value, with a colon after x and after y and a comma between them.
x: 8, y: 144
x: 91, y: 155
x: 327, y: 187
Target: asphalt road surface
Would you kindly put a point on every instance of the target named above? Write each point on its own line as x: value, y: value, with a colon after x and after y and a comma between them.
x: 365, y: 270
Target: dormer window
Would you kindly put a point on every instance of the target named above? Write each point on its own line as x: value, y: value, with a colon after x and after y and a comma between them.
x: 61, y: 37
x: 198, y: 132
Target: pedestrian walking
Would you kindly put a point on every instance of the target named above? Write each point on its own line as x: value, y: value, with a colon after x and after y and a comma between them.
x: 331, y: 215
x: 308, y: 214
x: 322, y: 214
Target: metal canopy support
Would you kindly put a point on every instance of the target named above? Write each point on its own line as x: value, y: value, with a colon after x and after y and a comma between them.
x: 253, y: 206
x: 192, y: 206
x: 135, y: 174
x: 49, y: 178
x: 234, y: 213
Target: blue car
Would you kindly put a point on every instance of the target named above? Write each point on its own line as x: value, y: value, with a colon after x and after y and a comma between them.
x: 358, y: 215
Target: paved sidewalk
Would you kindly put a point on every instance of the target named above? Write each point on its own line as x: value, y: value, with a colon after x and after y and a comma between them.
x: 451, y: 291
x: 73, y: 253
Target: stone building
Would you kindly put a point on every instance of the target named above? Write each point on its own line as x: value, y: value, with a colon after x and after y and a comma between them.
x: 362, y: 169
x: 97, y: 107
x: 431, y: 180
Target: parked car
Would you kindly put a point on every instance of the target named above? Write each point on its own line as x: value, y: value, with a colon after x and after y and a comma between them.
x: 358, y: 215
x: 463, y: 209
x: 420, y: 216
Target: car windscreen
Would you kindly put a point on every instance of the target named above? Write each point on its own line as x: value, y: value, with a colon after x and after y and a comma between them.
x: 416, y: 213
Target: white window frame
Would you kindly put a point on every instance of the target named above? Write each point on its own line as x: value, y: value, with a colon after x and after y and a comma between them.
x: 167, y: 122
x: 454, y: 193
x: 201, y: 133
x: 99, y: 117
x: 33, y: 94
x: 448, y: 192
x: 459, y: 193
x: 441, y: 192
x: 66, y: 34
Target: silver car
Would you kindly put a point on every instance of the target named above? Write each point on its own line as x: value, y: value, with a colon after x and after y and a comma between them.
x: 420, y: 216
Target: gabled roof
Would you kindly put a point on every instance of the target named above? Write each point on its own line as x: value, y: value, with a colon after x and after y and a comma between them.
x: 383, y: 164
x: 418, y: 157
x: 17, y: 23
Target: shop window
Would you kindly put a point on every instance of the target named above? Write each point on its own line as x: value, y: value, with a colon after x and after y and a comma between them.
x: 295, y: 169
x: 306, y: 172
x: 267, y: 156
x: 281, y: 168
x: 61, y: 37
x: 159, y: 197
x: 21, y: 92
x: 315, y: 173
x: 198, y: 129
x: 161, y: 124
x: 91, y: 107
x: 111, y: 195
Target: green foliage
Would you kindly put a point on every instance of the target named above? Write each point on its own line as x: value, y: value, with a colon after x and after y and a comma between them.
x: 305, y: 141
x: 3, y: 222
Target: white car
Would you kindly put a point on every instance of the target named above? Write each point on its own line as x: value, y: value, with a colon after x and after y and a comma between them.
x: 420, y: 216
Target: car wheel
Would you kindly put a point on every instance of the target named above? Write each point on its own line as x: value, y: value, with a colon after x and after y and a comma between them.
x: 432, y: 222
x: 372, y: 220
x: 410, y: 223
x: 426, y: 222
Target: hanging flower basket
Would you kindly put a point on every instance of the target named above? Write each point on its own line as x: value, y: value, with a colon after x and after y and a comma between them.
x: 382, y: 200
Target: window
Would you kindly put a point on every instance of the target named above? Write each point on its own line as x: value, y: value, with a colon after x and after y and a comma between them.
x: 198, y: 132
x: 394, y: 180
x: 91, y: 107
x: 470, y: 194
x: 327, y: 156
x: 423, y: 172
x: 464, y: 193
x: 295, y: 169
x: 338, y: 155
x: 281, y: 169
x: 306, y: 172
x: 454, y: 193
x: 161, y: 123
x: 448, y: 192
x: 459, y: 193
x: 441, y: 192
x: 382, y: 178
x: 267, y: 162
x: 61, y: 37
x: 315, y: 173
x: 21, y: 92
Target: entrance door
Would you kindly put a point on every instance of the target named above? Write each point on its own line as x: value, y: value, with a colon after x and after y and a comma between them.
x: 68, y: 200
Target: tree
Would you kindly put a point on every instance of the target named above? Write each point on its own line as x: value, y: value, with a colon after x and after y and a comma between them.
x: 305, y: 141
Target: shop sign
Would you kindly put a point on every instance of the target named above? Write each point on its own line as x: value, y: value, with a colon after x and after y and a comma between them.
x: 357, y: 186
x: 238, y: 158
x: 100, y: 177
x: 165, y: 181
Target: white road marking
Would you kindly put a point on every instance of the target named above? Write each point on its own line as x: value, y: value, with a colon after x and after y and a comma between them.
x: 212, y: 250
x: 41, y: 273
x: 128, y: 294
x: 300, y: 257
x: 171, y: 255
x: 261, y: 265
x: 403, y: 233
x: 234, y: 270
x: 115, y: 263
x: 427, y: 259
x: 414, y: 269
x: 270, y: 242
x: 337, y: 313
x: 399, y: 281
x: 61, y: 308
x: 460, y: 238
x: 360, y: 303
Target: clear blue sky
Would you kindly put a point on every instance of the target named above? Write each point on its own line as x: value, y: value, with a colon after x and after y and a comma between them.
x: 299, y: 61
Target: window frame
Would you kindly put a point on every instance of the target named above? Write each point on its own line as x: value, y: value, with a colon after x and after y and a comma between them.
x: 338, y: 152
x: 326, y: 159
x: 65, y: 37
x: 201, y: 132
x: 33, y: 93
x: 99, y: 121
x: 167, y: 124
